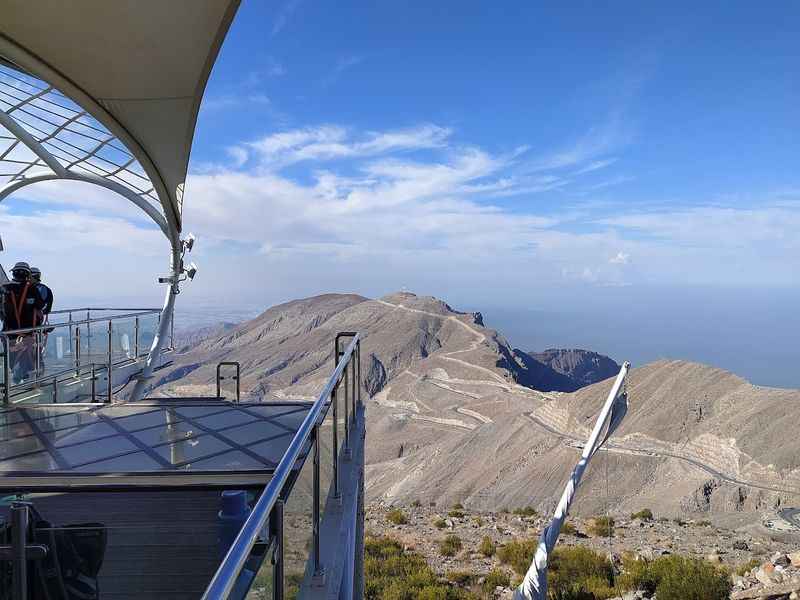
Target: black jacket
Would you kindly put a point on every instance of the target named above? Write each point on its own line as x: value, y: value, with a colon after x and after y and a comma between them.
x: 21, y: 305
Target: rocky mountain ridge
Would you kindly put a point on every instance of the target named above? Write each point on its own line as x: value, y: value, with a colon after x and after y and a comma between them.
x: 455, y: 414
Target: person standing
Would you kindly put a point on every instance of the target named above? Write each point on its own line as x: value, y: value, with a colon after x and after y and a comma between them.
x: 21, y: 308
x: 46, y: 295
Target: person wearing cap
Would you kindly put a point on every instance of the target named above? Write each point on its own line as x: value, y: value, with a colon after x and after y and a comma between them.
x: 21, y: 308
x: 44, y: 291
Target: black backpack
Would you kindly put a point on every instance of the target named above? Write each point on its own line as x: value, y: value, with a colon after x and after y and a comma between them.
x: 69, y: 571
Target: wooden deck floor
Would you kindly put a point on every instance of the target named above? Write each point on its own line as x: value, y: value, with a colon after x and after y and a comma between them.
x: 161, y: 545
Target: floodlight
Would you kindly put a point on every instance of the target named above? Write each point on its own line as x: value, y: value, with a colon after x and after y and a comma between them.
x: 191, y: 270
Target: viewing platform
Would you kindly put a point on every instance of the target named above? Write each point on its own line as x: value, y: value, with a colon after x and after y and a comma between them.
x: 149, y: 478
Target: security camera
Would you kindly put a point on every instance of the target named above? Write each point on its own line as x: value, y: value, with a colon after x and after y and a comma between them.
x: 191, y: 270
x: 188, y: 242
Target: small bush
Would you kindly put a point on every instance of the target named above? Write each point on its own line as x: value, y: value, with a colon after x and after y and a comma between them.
x: 679, y: 522
x: 579, y: 570
x: 478, y: 521
x: 575, y: 592
x: 495, y: 578
x: 450, y: 545
x: 487, y: 547
x: 503, y: 511
x: 439, y: 523
x: 527, y: 511
x: 568, y: 529
x: 461, y: 577
x: 677, y: 578
x: 645, y: 515
x: 457, y: 506
x: 416, y: 504
x: 455, y: 514
x: 602, y: 527
x: 393, y: 574
x: 518, y: 555
x: 396, y: 516
x: 744, y: 568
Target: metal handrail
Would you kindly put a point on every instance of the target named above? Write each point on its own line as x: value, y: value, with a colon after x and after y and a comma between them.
x: 225, y: 578
x: 40, y: 331
x: 48, y: 326
x: 63, y: 311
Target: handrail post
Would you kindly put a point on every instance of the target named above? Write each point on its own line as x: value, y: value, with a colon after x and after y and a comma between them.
x: 88, y: 333
x: 354, y: 382
x: 94, y: 383
x: 77, y: 350
x: 19, y: 541
x: 110, y: 361
x: 347, y: 408
x: 319, y: 571
x: 6, y: 368
x: 277, y: 572
x: 335, y: 402
x: 358, y: 363
x: 136, y: 338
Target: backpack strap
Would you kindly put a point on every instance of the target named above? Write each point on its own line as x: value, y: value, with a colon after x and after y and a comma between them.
x: 18, y: 307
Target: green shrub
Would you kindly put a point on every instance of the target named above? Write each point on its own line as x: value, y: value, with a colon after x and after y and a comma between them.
x: 503, y: 511
x: 450, y: 545
x: 455, y: 513
x: 461, y: 577
x: 645, y: 515
x: 602, y: 527
x: 576, y: 569
x: 527, y: 511
x: 487, y: 547
x: 416, y: 504
x: 744, y: 568
x: 457, y: 506
x: 396, y: 516
x: 575, y: 592
x: 478, y: 521
x: 439, y: 523
x: 518, y: 555
x: 677, y: 578
x: 495, y: 578
x: 568, y: 529
x: 393, y: 574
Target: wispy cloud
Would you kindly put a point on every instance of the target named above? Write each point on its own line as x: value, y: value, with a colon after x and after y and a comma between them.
x: 283, y: 16
x: 596, y: 165
x: 330, y: 142
x: 342, y: 64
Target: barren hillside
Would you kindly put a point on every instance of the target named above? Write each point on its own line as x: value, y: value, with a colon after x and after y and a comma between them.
x: 455, y: 414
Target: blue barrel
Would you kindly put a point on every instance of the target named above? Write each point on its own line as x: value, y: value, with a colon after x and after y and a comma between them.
x: 232, y: 516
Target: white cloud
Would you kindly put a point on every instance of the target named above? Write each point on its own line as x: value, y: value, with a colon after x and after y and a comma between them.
x: 329, y: 142
x: 621, y: 258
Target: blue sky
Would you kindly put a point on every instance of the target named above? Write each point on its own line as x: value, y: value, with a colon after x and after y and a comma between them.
x: 556, y: 157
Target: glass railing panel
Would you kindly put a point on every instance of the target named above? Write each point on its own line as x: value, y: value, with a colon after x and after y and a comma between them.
x: 326, y: 458
x: 148, y: 327
x: 263, y: 583
x: 123, y: 340
x: 298, y: 530
x: 57, y: 353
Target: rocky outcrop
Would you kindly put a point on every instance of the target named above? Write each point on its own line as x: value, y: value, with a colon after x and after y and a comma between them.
x: 582, y: 367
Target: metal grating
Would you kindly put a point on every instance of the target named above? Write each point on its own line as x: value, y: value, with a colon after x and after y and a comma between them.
x: 76, y: 140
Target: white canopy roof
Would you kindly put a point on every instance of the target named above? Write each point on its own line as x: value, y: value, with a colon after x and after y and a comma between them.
x: 139, y: 67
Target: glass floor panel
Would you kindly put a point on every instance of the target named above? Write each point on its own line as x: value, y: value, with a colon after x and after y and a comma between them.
x: 151, y: 443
